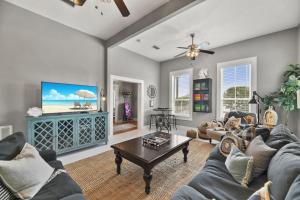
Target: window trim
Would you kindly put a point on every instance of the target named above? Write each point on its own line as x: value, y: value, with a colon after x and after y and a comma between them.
x: 171, y: 93
x: 250, y: 60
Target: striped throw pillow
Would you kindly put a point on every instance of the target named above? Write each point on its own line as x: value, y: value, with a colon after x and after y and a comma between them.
x: 6, y: 194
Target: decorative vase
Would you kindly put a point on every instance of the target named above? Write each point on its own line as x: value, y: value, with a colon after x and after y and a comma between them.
x: 270, y: 117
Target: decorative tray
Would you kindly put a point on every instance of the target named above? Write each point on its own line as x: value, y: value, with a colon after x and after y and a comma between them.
x: 156, y: 140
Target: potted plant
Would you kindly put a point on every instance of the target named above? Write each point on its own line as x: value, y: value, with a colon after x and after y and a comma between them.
x: 294, y: 70
x: 288, y: 95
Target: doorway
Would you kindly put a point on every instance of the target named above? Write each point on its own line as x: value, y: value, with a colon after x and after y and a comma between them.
x: 126, y: 104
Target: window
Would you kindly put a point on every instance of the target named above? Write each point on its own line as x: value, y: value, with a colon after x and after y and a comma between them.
x: 181, y: 93
x: 236, y: 81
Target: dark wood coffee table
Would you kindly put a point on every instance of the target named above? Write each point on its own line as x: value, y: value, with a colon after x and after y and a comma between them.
x: 145, y: 157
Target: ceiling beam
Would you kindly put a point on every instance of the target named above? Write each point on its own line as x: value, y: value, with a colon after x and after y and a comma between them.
x: 161, y: 14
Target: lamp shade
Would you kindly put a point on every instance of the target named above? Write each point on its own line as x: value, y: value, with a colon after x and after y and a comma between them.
x: 253, y: 100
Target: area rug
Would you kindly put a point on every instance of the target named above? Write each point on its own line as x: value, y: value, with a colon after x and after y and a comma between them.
x: 98, y: 179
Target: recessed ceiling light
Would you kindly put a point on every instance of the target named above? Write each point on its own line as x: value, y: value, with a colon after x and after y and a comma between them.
x: 138, y: 40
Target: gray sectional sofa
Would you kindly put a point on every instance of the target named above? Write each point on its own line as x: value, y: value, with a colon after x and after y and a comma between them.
x: 215, y: 182
x: 62, y: 187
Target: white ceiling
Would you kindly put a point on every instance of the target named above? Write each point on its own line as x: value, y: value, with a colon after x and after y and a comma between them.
x: 89, y: 20
x: 219, y: 22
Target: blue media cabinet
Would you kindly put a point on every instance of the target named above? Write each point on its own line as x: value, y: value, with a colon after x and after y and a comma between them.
x: 68, y: 132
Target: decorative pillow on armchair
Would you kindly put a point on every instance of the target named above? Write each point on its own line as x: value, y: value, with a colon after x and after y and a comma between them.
x: 249, y: 119
x: 233, y: 123
x: 26, y: 174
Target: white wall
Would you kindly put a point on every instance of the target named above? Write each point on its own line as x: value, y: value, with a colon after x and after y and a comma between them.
x: 274, y: 52
x: 122, y: 62
x: 35, y: 49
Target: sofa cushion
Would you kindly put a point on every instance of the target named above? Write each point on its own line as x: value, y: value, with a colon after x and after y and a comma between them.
x: 283, y: 169
x: 11, y: 146
x: 261, y: 154
x: 294, y: 192
x: 188, y: 193
x: 60, y: 187
x: 224, y: 187
x: 280, y: 136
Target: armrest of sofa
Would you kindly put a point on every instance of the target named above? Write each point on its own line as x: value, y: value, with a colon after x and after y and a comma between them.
x: 216, y: 154
x: 48, y: 155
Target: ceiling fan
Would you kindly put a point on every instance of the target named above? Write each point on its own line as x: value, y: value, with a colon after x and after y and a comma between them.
x: 193, y: 50
x: 119, y: 3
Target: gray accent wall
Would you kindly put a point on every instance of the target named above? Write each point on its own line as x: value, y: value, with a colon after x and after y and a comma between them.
x: 122, y: 62
x: 274, y: 52
x: 35, y: 49
x: 298, y: 118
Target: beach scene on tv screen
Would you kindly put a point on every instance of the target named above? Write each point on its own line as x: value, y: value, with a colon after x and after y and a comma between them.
x: 59, y: 98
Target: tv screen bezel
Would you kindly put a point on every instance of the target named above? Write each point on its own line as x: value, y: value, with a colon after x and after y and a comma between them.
x: 83, y: 111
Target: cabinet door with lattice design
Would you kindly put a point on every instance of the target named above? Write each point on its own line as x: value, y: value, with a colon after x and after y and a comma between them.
x: 43, y: 134
x: 100, y: 128
x: 65, y: 139
x: 85, y: 131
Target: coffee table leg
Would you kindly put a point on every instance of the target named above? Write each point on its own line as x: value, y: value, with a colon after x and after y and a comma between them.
x: 118, y: 161
x: 147, y: 179
x: 185, y: 151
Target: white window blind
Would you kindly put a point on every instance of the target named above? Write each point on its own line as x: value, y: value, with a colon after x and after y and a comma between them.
x: 235, y: 85
x: 181, y: 93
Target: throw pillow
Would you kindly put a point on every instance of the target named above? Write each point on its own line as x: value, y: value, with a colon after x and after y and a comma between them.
x: 280, y: 136
x: 283, y: 169
x: 248, y: 134
x: 228, y: 140
x: 262, y: 194
x: 5, y: 193
x: 261, y: 154
x: 233, y: 123
x: 239, y: 165
x: 11, y: 146
x: 26, y: 174
x: 249, y: 119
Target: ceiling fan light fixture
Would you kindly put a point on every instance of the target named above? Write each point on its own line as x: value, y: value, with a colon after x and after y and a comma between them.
x: 192, y: 53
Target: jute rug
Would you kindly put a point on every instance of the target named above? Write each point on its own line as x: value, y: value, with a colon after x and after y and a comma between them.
x: 98, y: 179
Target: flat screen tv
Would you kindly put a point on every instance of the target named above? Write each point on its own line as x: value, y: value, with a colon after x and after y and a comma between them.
x: 64, y: 98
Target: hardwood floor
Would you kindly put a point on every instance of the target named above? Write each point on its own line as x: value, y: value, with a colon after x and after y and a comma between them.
x: 122, y: 127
